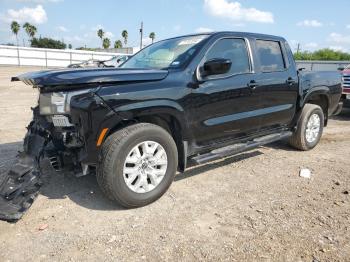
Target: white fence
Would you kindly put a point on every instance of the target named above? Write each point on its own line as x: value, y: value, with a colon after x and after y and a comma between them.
x: 322, y: 65
x: 28, y: 56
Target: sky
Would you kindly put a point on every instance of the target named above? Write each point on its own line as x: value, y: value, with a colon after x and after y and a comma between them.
x: 314, y: 24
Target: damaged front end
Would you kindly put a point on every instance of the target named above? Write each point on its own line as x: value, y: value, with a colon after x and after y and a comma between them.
x: 67, y: 125
x: 54, y: 136
x: 21, y: 185
x: 51, y: 135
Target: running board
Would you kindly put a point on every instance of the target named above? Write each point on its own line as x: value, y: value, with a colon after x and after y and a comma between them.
x: 240, y: 147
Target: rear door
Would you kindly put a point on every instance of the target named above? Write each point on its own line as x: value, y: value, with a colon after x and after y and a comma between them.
x: 224, y: 106
x: 277, y: 83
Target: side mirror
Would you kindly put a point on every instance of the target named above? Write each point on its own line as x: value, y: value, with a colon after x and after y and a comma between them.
x: 216, y: 66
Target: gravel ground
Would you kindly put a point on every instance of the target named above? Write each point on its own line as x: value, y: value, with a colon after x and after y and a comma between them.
x: 250, y: 207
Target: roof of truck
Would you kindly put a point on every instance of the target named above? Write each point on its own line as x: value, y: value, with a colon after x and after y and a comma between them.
x: 235, y: 33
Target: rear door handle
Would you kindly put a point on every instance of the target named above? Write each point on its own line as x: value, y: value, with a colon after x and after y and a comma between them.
x: 252, y: 84
x: 290, y: 81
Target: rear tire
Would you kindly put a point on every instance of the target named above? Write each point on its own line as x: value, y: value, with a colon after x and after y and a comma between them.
x: 309, y: 129
x: 119, y: 147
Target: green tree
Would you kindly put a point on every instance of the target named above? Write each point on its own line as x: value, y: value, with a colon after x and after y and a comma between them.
x: 303, y: 55
x: 125, y: 36
x: 118, y: 44
x: 329, y: 54
x: 26, y: 27
x: 100, y: 34
x: 47, y: 43
x: 33, y: 31
x: 325, y: 54
x: 152, y: 36
x: 85, y: 48
x: 106, y: 43
x: 30, y: 30
x: 15, y: 27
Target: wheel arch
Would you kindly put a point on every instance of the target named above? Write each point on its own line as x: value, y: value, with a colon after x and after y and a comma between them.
x: 170, y: 118
x: 319, y: 96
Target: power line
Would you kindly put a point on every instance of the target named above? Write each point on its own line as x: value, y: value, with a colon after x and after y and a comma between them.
x: 141, y: 35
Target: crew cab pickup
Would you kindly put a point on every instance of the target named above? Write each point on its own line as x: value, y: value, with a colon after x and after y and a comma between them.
x: 189, y: 99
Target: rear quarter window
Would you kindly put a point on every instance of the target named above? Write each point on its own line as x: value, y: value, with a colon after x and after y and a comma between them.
x: 270, y: 56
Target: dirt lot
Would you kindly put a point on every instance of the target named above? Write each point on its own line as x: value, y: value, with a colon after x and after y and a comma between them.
x: 251, y: 207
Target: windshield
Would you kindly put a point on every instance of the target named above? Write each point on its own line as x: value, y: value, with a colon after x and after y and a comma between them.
x: 165, y: 54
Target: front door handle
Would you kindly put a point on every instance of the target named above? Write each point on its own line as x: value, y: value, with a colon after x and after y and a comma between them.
x: 290, y: 81
x: 252, y: 84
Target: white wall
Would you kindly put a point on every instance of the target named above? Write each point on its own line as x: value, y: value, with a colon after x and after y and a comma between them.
x: 11, y: 55
x: 321, y: 65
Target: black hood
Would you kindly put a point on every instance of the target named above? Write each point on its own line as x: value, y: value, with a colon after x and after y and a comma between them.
x: 89, y: 76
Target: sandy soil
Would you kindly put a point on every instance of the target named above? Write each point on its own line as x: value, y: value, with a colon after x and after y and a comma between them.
x: 250, y: 207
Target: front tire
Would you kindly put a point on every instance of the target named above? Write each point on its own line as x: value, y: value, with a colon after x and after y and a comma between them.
x: 138, y: 164
x: 309, y: 129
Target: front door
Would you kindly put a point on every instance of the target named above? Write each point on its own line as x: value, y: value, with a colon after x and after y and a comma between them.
x: 224, y: 106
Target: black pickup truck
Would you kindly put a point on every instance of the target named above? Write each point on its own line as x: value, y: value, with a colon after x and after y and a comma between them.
x: 193, y: 98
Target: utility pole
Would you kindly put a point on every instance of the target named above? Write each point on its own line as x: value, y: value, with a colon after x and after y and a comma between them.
x: 141, y: 35
x: 298, y: 48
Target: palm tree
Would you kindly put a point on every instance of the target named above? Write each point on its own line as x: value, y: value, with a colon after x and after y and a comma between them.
x: 15, y: 27
x: 100, y: 34
x: 26, y: 27
x: 106, y: 43
x: 118, y: 44
x: 125, y: 36
x: 30, y: 29
x: 152, y: 36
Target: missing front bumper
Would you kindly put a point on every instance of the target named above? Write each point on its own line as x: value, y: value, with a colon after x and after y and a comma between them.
x: 21, y: 185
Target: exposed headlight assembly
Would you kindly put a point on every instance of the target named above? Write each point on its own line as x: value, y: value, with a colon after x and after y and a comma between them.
x: 53, y: 103
x: 57, y: 103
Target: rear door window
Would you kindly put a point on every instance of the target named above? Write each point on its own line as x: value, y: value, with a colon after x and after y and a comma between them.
x: 270, y: 56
